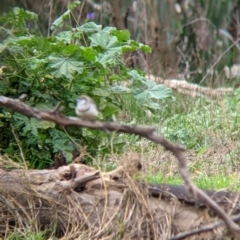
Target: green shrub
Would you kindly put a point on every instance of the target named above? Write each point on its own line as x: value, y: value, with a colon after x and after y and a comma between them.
x: 54, y: 71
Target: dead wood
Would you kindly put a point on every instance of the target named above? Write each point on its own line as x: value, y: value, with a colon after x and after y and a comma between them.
x: 77, y: 200
x: 105, y: 206
x: 192, y: 90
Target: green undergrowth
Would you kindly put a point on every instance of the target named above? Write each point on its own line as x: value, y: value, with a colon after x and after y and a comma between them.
x: 209, y: 128
x: 28, y: 235
x: 52, y: 71
x: 217, y: 182
x: 191, y: 121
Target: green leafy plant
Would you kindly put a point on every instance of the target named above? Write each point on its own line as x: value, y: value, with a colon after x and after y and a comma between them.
x: 29, y: 235
x: 55, y: 70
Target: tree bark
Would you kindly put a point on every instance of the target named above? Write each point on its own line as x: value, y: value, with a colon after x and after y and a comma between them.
x: 117, y: 17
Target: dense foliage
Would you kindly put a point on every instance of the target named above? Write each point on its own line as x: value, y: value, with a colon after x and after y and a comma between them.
x: 53, y: 71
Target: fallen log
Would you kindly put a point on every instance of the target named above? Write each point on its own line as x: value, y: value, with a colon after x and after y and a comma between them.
x: 81, y: 202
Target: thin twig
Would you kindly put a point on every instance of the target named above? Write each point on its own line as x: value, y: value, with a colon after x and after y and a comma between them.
x: 203, y: 229
x: 219, y: 58
x: 80, y: 181
x: 19, y: 146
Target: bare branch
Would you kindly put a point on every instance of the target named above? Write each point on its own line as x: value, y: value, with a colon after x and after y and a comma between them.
x: 146, y: 132
x: 80, y: 181
x: 203, y: 229
x: 57, y: 118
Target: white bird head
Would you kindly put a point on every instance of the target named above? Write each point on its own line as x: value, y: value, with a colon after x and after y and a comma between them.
x: 86, y: 108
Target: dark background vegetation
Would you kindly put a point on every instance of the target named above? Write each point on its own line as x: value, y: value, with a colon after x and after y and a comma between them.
x: 186, y: 37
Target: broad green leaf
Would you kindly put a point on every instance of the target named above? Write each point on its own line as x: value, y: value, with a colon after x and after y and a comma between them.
x: 128, y: 48
x: 42, y: 95
x: 70, y: 50
x: 88, y: 53
x: 46, y: 125
x: 132, y: 46
x: 149, y: 83
x: 19, y: 119
x: 90, y: 27
x: 110, y: 110
x: 145, y: 48
x: 55, y: 134
x: 109, y: 29
x: 17, y: 17
x: 58, y: 23
x: 15, y: 49
x: 23, y: 15
x: 144, y: 98
x: 160, y: 91
x: 106, y: 59
x: 60, y: 141
x: 24, y: 40
x: 64, y: 66
x: 32, y: 126
x: 4, y: 86
x: 122, y: 35
x: 42, y: 44
x: 134, y: 43
x: 36, y: 63
x: 135, y: 75
x: 71, y: 105
x: 64, y: 36
x: 155, y: 92
x: 60, y: 144
x: 142, y: 95
x: 45, y: 106
x: 106, y: 41
x: 68, y: 155
x: 116, y: 77
x: 72, y: 6
x: 102, y: 92
x: 35, y: 43
x: 120, y: 89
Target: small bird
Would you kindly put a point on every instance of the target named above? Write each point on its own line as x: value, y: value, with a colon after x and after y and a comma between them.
x: 86, y: 108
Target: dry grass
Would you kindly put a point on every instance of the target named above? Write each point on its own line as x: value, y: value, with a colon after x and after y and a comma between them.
x: 218, y: 159
x: 99, y: 214
x: 123, y: 210
x: 8, y: 164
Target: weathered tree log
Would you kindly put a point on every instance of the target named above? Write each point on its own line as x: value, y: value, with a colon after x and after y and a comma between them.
x: 81, y: 202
